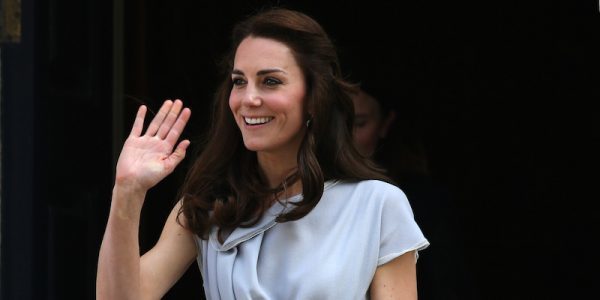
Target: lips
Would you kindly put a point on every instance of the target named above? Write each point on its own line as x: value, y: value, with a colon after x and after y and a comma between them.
x: 257, y: 120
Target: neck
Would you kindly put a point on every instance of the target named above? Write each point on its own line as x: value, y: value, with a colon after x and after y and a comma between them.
x: 276, y: 168
x: 278, y: 165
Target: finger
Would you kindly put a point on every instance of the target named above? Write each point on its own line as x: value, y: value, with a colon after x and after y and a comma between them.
x: 158, y: 119
x: 170, y: 119
x: 178, y: 127
x: 179, y: 154
x: 138, y: 123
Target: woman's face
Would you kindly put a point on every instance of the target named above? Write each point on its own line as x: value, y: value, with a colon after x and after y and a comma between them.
x: 267, y: 97
x: 367, y: 123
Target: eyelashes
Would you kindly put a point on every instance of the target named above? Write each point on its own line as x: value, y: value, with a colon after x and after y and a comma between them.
x: 238, y: 81
x: 267, y: 81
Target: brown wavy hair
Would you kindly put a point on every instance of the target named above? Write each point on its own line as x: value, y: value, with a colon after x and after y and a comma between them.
x: 225, y: 187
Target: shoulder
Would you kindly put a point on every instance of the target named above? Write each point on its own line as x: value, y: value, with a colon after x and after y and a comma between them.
x: 378, y: 185
x: 376, y: 188
x: 374, y: 194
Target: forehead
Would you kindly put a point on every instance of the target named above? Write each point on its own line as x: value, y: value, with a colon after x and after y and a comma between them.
x: 365, y: 104
x: 262, y: 53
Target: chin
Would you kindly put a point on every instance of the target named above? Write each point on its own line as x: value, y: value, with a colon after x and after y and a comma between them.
x: 253, y: 146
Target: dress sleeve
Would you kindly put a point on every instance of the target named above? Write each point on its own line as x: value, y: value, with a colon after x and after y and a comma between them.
x: 399, y: 233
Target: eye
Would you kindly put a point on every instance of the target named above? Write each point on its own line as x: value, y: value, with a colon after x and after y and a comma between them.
x: 360, y: 122
x: 270, y: 81
x: 238, y: 81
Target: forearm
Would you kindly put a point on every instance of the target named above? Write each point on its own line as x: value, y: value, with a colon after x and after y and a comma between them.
x: 118, y: 274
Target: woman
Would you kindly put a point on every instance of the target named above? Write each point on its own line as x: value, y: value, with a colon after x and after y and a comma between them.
x: 279, y: 205
x: 371, y: 122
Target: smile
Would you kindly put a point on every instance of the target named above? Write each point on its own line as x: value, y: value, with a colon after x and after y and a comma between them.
x: 257, y: 121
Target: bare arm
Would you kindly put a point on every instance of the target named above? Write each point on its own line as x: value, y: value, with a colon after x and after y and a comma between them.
x: 166, y: 262
x: 144, y: 161
x: 396, y: 279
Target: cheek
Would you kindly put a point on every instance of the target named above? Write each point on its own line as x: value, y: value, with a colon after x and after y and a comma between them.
x: 298, y: 110
x: 359, y: 135
x: 298, y: 96
x: 372, y: 133
x: 366, y: 135
x: 234, y: 102
x: 290, y: 103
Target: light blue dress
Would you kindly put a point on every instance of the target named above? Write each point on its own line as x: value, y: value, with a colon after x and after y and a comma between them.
x: 331, y: 253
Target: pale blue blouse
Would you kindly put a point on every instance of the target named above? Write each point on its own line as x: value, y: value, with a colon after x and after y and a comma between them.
x: 331, y: 253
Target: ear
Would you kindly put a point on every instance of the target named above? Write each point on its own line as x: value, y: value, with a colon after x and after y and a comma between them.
x: 387, y: 123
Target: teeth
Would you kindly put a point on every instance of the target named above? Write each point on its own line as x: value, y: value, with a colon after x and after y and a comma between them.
x: 257, y: 121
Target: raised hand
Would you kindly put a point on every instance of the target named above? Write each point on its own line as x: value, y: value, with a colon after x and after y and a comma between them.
x: 146, y: 159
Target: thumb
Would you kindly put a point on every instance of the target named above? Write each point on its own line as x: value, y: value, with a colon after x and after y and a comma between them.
x: 179, y: 154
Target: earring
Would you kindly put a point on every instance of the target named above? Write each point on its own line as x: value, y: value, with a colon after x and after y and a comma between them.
x: 308, y: 123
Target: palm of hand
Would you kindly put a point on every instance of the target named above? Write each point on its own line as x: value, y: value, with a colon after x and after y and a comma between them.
x: 146, y: 159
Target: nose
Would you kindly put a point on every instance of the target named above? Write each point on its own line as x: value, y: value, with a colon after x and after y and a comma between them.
x: 252, y: 97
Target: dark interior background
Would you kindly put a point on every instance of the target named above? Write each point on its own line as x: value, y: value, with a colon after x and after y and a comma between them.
x: 499, y: 95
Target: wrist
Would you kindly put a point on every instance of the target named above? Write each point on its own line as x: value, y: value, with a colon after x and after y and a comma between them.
x: 128, y: 187
x: 127, y: 201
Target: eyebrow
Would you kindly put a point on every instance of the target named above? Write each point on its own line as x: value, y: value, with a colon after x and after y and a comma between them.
x: 259, y: 73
